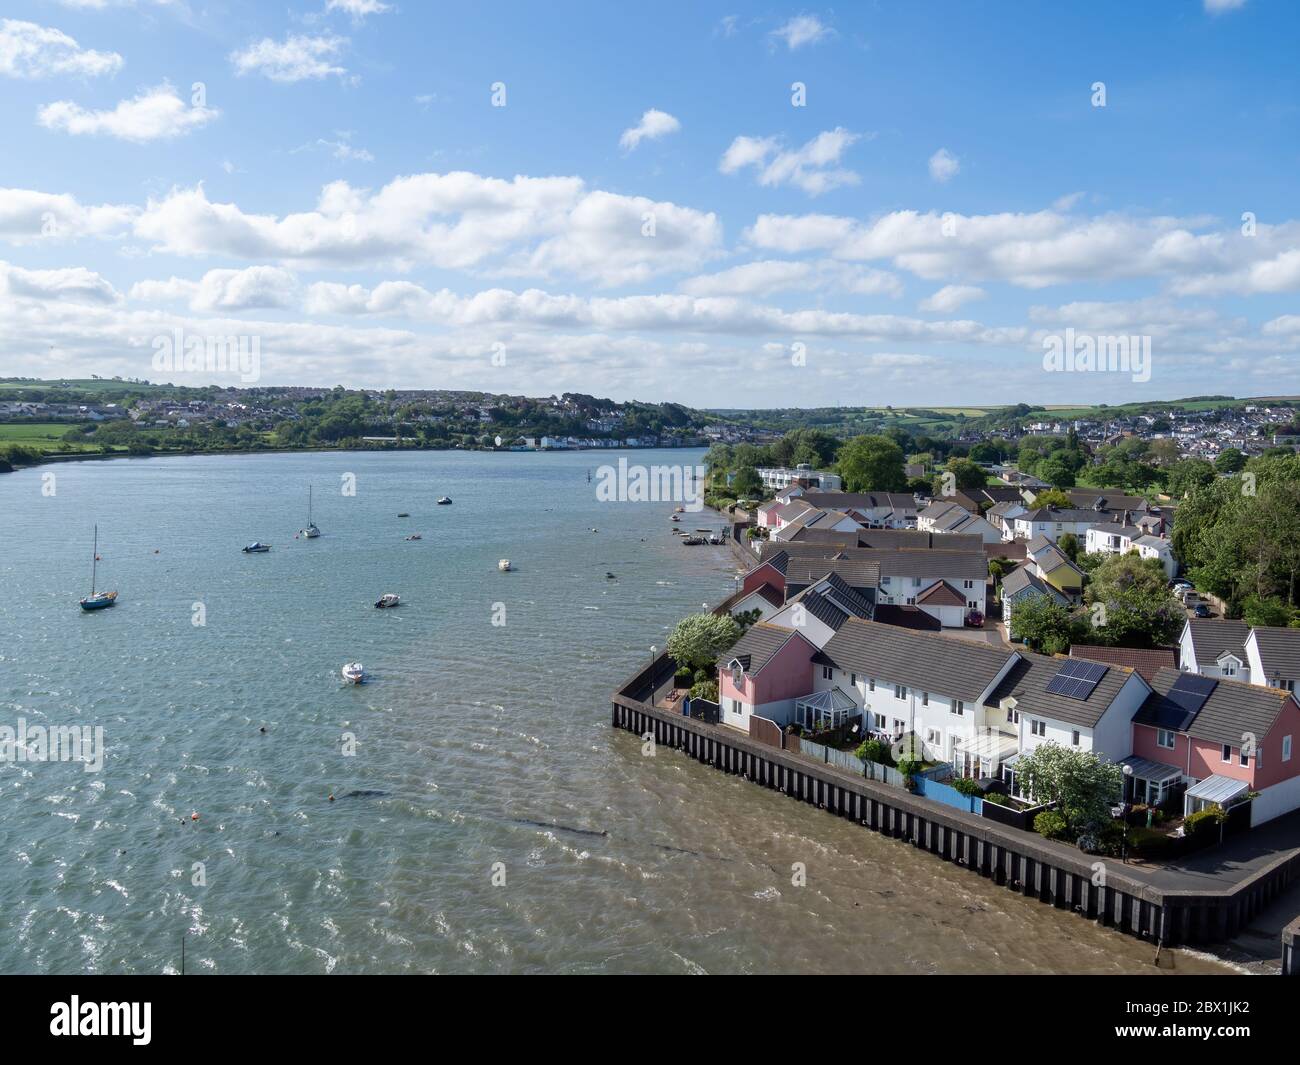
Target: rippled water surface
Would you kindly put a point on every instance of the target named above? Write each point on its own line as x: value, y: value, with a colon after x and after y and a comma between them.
x: 467, y: 735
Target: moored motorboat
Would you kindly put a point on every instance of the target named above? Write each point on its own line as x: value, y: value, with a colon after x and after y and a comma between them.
x: 403, y: 514
x: 256, y: 548
x: 96, y: 600
x: 415, y: 536
x: 444, y: 501
x: 388, y: 599
x: 353, y: 673
x: 504, y: 565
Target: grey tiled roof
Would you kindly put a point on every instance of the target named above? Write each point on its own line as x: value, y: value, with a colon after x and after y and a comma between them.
x: 856, y: 573
x: 1233, y: 708
x: 1212, y: 636
x: 757, y: 646
x: 1279, y: 652
x: 948, y: 665
x: 1023, y: 577
x: 929, y: 563
x: 1028, y: 680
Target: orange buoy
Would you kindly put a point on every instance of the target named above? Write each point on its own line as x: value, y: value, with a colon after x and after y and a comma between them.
x: 194, y: 817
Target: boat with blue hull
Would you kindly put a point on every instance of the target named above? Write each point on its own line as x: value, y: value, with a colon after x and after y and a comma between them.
x: 97, y: 600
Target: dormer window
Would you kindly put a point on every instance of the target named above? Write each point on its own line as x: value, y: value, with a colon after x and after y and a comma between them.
x: 737, y: 674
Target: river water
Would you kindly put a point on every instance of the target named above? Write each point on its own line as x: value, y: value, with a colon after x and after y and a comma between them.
x: 486, y: 817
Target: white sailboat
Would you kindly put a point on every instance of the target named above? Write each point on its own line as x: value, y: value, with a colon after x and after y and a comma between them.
x: 310, y: 532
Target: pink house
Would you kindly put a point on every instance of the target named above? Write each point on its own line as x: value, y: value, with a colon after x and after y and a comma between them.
x: 1223, y: 739
x: 763, y: 674
x: 768, y: 574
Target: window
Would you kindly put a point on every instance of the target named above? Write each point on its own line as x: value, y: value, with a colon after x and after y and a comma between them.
x: 1165, y: 738
x: 1038, y: 728
x: 925, y: 698
x: 1013, y: 718
x: 1227, y: 752
x: 1074, y: 737
x: 871, y: 684
x: 911, y: 600
x: 738, y: 675
x: 881, y: 723
x: 958, y: 707
x: 884, y: 582
x: 1245, y: 756
x: 899, y: 726
x: 932, y: 736
x: 1286, y: 748
x: 900, y: 692
x: 1229, y: 667
x: 827, y: 673
x: 972, y: 604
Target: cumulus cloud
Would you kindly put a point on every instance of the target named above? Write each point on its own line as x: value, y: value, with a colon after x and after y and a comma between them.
x: 814, y: 167
x: 783, y: 275
x: 653, y: 125
x: 27, y: 216
x: 944, y: 166
x: 296, y: 58
x: 800, y: 31
x: 950, y: 297
x: 71, y: 283
x: 224, y: 290
x: 155, y: 114
x: 459, y: 220
x: 1043, y: 248
x: 28, y: 50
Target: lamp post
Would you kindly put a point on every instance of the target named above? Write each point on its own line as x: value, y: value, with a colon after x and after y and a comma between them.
x: 1123, y: 808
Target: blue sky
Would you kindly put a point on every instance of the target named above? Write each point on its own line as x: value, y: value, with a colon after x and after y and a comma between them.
x: 649, y: 215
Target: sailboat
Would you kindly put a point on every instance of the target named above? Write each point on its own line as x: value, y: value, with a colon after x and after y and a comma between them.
x: 310, y: 532
x: 96, y: 600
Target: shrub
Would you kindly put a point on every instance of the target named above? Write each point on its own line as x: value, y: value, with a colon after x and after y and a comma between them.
x: 1148, y: 843
x: 873, y: 751
x: 1050, y: 824
x: 909, y: 767
x: 966, y: 786
x: 705, y: 689
x: 997, y: 798
x: 1204, y: 824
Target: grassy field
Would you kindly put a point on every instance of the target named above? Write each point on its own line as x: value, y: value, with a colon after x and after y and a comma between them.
x: 44, y: 436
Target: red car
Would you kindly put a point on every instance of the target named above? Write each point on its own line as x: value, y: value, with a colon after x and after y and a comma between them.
x: 975, y: 620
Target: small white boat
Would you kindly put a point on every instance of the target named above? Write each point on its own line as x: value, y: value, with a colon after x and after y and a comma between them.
x: 388, y: 599
x: 415, y: 536
x: 310, y: 532
x: 257, y: 548
x: 353, y: 673
x: 504, y: 565
x: 444, y: 501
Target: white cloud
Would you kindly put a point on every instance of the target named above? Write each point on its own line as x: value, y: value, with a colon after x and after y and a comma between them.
x: 950, y: 297
x: 783, y: 275
x: 296, y: 58
x: 1048, y: 247
x: 459, y: 220
x: 358, y: 9
x: 653, y: 125
x: 341, y: 149
x: 224, y: 290
x: 73, y: 283
x: 813, y: 167
x: 155, y: 114
x: 944, y: 166
x: 1218, y: 7
x: 28, y: 50
x: 801, y: 30
x: 28, y: 216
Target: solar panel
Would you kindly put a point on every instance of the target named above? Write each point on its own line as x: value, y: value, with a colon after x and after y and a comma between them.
x: 1190, y: 692
x: 1076, y: 679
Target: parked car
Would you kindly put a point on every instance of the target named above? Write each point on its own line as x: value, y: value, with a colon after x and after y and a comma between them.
x: 975, y: 619
x: 1201, y: 610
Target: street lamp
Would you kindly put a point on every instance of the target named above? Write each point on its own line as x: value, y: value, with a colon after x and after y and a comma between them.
x: 1123, y: 812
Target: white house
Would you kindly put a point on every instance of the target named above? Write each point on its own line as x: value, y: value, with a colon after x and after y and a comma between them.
x: 1274, y: 655
x: 942, y: 516
x: 907, y: 574
x: 1215, y: 647
x: 776, y: 478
